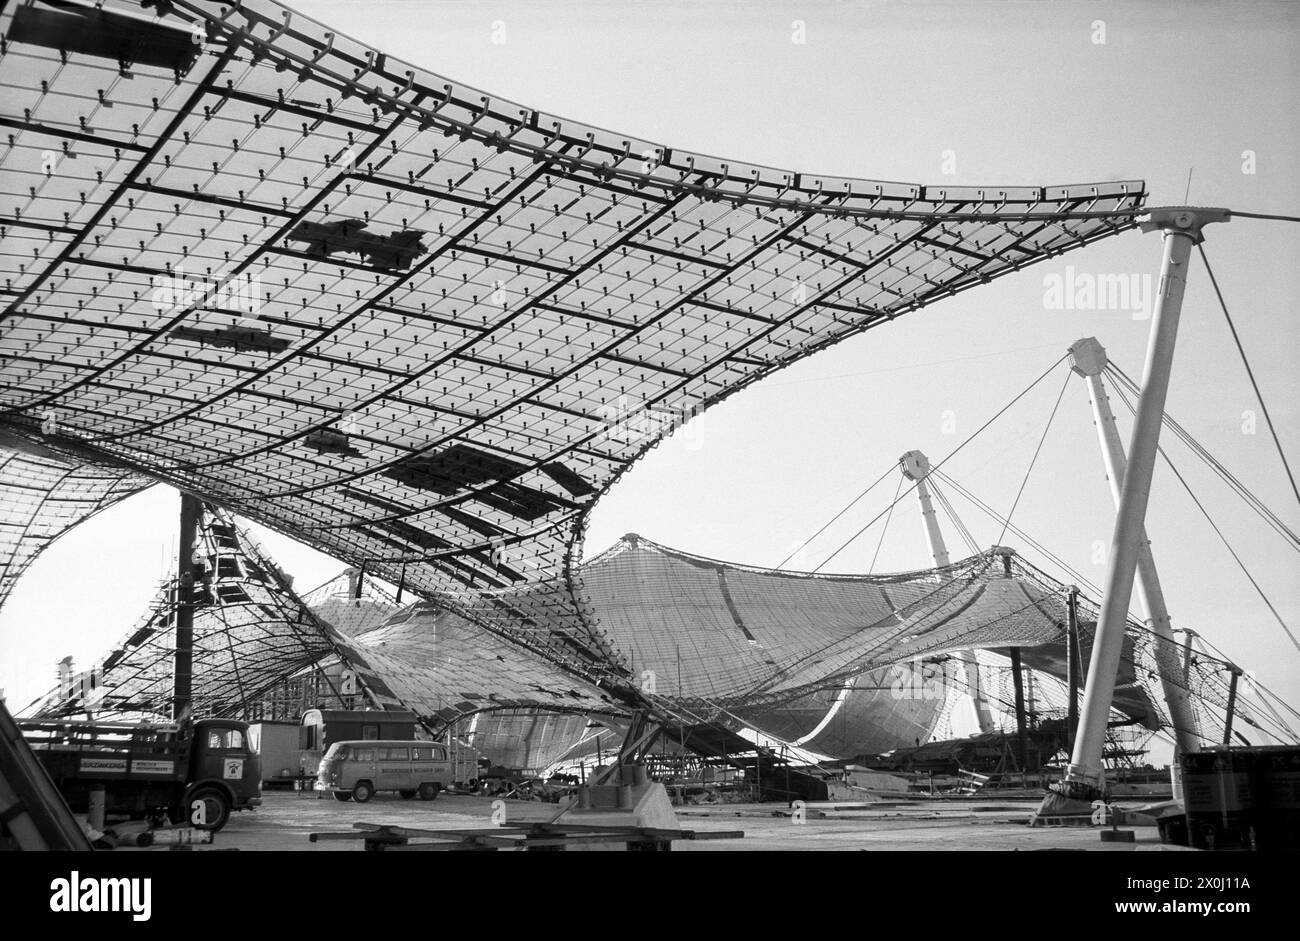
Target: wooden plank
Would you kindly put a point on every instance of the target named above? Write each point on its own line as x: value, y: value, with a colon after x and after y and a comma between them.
x: 415, y: 833
x: 714, y: 835
x: 523, y: 835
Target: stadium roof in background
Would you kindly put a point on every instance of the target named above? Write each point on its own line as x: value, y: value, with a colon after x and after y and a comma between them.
x: 409, y: 323
x: 841, y: 664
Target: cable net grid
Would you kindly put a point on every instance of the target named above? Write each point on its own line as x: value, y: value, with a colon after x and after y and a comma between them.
x: 408, y: 322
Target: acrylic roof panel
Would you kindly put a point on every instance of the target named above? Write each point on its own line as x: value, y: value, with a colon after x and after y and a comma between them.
x: 407, y: 322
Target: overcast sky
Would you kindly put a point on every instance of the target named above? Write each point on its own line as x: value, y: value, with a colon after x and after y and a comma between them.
x: 1008, y: 93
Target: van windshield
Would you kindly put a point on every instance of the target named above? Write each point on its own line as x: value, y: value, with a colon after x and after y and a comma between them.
x: 337, y: 752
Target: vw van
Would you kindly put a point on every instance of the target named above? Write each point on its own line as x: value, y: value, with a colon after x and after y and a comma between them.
x: 356, y: 769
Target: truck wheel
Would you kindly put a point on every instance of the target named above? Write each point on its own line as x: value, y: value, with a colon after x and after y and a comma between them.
x: 362, y: 791
x: 343, y: 795
x: 429, y: 791
x: 406, y: 795
x: 215, y: 811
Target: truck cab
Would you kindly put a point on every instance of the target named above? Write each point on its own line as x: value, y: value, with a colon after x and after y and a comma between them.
x: 224, y: 772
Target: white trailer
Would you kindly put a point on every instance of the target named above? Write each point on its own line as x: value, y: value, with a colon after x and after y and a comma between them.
x: 277, y: 744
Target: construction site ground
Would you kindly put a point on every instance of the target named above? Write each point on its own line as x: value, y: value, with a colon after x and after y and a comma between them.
x: 286, y: 819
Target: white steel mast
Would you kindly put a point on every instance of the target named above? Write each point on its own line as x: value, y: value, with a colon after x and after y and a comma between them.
x: 1181, y: 228
x: 1088, y: 359
x: 916, y: 467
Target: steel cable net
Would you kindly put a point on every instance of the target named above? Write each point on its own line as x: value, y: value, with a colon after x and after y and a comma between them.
x: 351, y: 603
x: 841, y: 664
x: 811, y: 658
x: 43, y: 495
x: 249, y: 631
x: 253, y: 634
x: 1204, y: 677
x: 406, y: 322
x: 844, y: 664
x: 526, y: 739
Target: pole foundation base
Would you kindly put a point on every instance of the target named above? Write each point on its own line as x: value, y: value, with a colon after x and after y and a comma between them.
x: 1069, y: 804
x: 1077, y: 790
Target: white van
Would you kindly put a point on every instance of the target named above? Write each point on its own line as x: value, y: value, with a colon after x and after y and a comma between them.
x: 355, y: 770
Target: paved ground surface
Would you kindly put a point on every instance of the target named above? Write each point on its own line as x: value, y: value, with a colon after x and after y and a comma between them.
x: 286, y: 819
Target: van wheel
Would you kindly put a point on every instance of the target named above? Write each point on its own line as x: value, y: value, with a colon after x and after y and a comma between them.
x: 429, y: 791
x: 362, y: 791
x: 406, y: 795
x: 215, y: 809
x: 343, y: 795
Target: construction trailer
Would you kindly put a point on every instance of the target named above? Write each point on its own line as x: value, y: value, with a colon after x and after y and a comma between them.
x: 321, y: 728
x: 277, y: 744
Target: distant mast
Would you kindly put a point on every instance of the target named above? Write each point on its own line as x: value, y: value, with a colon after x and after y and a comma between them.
x: 916, y: 467
x: 183, y: 678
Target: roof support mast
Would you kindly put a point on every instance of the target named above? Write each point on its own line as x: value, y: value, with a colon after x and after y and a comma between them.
x: 1181, y: 226
x: 916, y: 466
x: 1088, y: 359
x: 183, y: 675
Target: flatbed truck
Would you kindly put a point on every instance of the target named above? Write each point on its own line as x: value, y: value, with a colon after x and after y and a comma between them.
x: 187, y: 772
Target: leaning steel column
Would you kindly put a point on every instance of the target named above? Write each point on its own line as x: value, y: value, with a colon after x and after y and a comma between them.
x: 1022, y: 733
x: 916, y: 467
x: 1182, y: 229
x: 1232, y: 704
x: 1072, y: 659
x: 1088, y: 359
x: 183, y: 673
